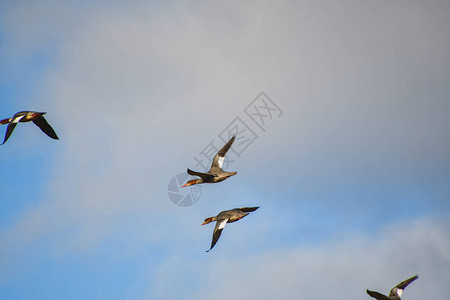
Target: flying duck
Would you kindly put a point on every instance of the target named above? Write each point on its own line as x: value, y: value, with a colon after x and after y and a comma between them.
x: 27, y: 116
x: 215, y: 173
x: 396, y: 291
x: 224, y: 217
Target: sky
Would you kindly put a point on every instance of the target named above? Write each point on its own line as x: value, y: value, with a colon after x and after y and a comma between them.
x: 351, y: 171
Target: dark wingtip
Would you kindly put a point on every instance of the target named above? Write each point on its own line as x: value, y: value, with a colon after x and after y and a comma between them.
x: 414, y: 277
x: 405, y: 283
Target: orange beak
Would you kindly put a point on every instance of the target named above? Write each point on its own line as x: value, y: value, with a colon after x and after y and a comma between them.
x: 187, y: 184
x: 207, y: 220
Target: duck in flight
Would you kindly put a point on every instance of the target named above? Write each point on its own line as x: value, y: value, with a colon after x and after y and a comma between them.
x: 27, y: 116
x: 215, y: 173
x: 395, y: 293
x: 224, y: 217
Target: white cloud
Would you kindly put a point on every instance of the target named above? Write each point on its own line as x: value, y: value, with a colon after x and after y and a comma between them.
x: 342, y: 269
x: 137, y: 91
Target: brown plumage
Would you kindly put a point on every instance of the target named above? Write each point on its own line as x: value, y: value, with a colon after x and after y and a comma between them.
x: 395, y: 293
x: 224, y: 217
x: 28, y: 116
x: 215, y: 173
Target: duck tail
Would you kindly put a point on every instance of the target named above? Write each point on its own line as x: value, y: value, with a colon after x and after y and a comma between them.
x: 4, y: 121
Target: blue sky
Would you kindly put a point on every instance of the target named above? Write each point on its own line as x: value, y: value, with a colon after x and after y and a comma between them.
x: 352, y: 179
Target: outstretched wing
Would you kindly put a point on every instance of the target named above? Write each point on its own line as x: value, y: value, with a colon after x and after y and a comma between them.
x: 247, y: 209
x: 405, y: 283
x: 218, y: 231
x: 9, y: 130
x: 377, y: 295
x: 41, y: 122
x: 401, y: 286
x: 12, y: 124
x: 206, y: 177
x: 220, y: 156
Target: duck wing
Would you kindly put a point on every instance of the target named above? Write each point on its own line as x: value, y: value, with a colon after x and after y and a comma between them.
x: 205, y: 176
x: 377, y: 295
x: 247, y: 209
x: 9, y: 130
x: 41, y: 122
x: 217, y: 162
x: 401, y: 286
x: 12, y: 124
x: 218, y: 231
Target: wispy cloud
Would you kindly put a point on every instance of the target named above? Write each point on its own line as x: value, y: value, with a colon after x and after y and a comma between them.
x: 342, y: 269
x: 135, y: 91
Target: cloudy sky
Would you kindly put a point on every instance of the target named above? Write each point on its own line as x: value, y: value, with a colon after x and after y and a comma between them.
x: 351, y: 175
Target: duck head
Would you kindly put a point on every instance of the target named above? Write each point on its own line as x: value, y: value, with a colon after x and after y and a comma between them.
x: 192, y: 182
x: 209, y: 220
x: 4, y: 121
